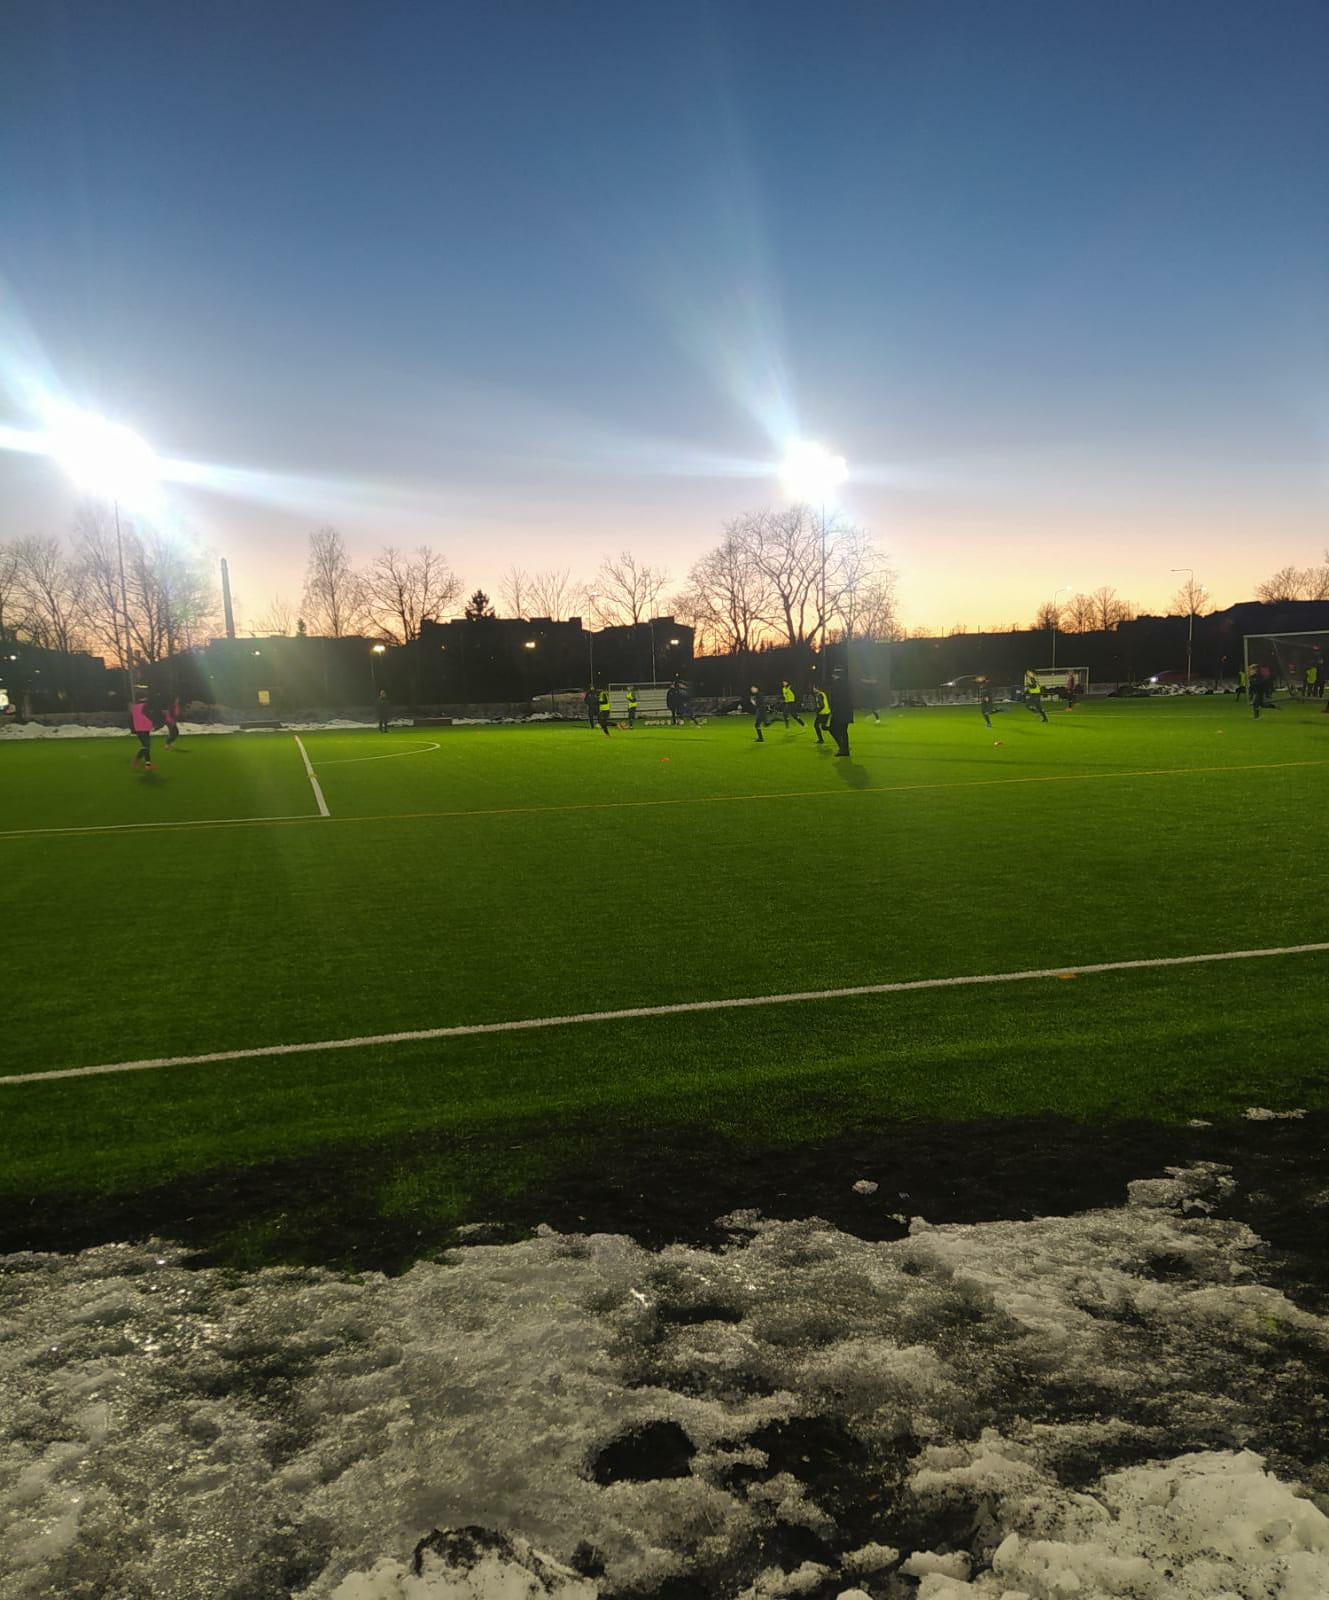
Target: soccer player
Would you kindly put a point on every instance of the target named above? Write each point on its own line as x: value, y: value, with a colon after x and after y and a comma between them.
x: 171, y: 717
x: 761, y: 707
x: 868, y: 686
x: 985, y: 702
x: 591, y: 700
x: 632, y: 707
x: 1313, y: 685
x: 384, y: 710
x: 841, y: 698
x: 1033, y: 694
x: 1262, y: 692
x: 822, y: 719
x: 140, y: 720
x: 602, y: 711
x: 789, y: 704
x: 1071, y: 687
x: 679, y: 708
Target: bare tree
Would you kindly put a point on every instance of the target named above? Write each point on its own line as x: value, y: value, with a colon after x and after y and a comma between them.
x: 727, y: 598
x: 1110, y: 609
x: 553, y: 594
x: 1317, y: 580
x: 402, y: 591
x: 1048, y: 617
x: 625, y: 591
x: 859, y: 584
x: 1191, y: 600
x: 1078, y: 615
x: 12, y: 607
x: 334, y: 597
x: 279, y: 619
x: 1287, y: 584
x: 515, y: 587
x: 50, y: 588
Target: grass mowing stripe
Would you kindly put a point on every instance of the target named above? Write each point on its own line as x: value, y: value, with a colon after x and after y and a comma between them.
x: 968, y: 980
x: 680, y: 800
x: 313, y: 781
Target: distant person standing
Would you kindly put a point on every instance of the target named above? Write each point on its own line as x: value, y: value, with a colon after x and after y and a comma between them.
x: 841, y: 698
x: 1033, y: 694
x: 171, y: 717
x: 591, y: 700
x: 822, y: 717
x: 632, y: 707
x: 673, y: 700
x: 1071, y: 687
x: 789, y: 703
x: 602, y: 711
x: 384, y: 710
x: 140, y: 720
x: 868, y: 686
x: 1313, y: 685
x: 761, y: 711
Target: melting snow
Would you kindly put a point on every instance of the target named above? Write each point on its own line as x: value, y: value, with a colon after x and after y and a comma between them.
x: 1065, y: 1406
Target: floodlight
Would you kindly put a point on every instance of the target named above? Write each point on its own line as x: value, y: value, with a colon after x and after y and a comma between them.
x: 378, y: 649
x: 530, y: 644
x: 104, y: 458
x: 811, y: 472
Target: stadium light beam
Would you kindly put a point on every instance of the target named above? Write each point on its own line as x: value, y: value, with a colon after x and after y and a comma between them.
x: 110, y: 461
x: 812, y: 473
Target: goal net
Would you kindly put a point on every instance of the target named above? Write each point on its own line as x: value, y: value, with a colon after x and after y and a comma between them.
x: 1297, y: 662
x: 1058, y: 680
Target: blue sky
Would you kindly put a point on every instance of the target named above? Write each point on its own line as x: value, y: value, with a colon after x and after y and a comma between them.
x: 540, y: 281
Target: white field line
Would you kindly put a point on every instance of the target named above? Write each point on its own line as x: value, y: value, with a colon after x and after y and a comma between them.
x: 313, y: 781
x: 395, y: 755
x: 466, y: 1030
x: 680, y: 800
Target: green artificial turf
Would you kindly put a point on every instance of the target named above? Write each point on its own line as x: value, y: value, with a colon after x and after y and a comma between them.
x: 486, y: 874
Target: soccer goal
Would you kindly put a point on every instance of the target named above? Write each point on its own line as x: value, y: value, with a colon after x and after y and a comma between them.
x: 1057, y: 680
x: 1297, y: 662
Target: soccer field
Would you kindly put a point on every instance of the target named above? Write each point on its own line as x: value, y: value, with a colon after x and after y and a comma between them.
x: 465, y: 877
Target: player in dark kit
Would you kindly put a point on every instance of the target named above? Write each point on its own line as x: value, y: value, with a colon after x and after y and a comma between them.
x: 985, y: 702
x: 841, y: 698
x: 761, y: 706
x: 172, y: 719
x: 384, y: 710
x: 591, y: 700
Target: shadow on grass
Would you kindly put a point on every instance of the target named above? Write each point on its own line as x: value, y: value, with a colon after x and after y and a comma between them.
x: 383, y: 1205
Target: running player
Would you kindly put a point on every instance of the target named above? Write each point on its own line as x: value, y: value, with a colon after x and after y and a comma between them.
x: 1033, y: 694
x: 822, y: 719
x: 761, y: 707
x: 171, y: 716
x: 789, y: 703
x: 602, y: 711
x: 140, y: 720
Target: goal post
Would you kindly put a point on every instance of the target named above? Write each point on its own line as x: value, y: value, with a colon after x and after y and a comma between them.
x: 1058, y: 680
x: 1296, y: 662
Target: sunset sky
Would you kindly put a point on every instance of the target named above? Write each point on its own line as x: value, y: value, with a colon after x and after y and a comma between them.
x: 539, y: 280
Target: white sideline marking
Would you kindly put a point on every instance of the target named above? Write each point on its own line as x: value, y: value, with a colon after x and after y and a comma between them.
x: 465, y: 1030
x: 313, y: 781
x: 346, y: 761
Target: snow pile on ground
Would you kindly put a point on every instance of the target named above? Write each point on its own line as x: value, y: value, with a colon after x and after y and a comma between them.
x: 1103, y: 1405
x: 76, y: 730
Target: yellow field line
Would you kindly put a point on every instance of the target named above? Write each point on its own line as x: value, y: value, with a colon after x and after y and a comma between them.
x: 677, y: 800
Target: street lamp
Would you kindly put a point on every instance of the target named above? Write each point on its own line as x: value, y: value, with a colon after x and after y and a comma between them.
x: 1064, y: 589
x: 811, y: 472
x: 376, y: 650
x: 1190, y: 612
x: 110, y: 461
x: 590, y: 639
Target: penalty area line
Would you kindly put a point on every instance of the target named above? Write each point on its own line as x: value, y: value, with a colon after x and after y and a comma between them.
x: 679, y: 1008
x: 313, y: 781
